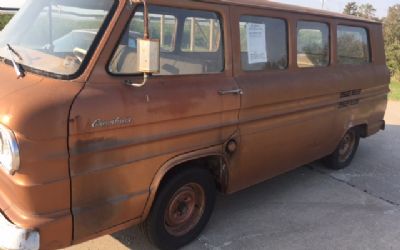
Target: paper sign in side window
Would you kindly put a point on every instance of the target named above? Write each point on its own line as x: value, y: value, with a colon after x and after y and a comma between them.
x: 256, y: 43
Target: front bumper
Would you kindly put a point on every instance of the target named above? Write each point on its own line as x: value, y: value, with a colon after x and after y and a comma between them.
x: 16, y: 238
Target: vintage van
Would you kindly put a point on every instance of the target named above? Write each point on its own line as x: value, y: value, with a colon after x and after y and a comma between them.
x: 122, y: 112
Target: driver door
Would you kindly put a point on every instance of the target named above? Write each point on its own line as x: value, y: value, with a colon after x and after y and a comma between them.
x: 123, y: 134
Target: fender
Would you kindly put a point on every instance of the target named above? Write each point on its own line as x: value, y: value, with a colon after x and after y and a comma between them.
x: 351, y: 124
x: 176, y: 161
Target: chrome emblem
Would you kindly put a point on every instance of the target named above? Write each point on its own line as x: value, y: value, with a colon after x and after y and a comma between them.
x: 99, y: 123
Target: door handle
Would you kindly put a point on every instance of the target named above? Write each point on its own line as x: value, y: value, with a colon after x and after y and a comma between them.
x: 231, y: 92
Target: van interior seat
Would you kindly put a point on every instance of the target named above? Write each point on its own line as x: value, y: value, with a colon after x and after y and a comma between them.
x: 312, y: 60
x: 275, y: 61
x: 125, y: 62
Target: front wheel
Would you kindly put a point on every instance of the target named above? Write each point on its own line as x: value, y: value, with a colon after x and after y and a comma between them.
x: 345, y: 152
x: 182, y: 209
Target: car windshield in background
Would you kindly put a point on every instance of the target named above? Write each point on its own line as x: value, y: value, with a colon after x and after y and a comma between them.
x: 54, y: 36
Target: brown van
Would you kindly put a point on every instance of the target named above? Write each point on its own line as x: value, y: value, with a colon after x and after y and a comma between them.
x: 122, y: 112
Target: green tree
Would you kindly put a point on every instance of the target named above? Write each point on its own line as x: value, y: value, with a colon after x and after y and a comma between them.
x: 392, y: 40
x: 392, y: 24
x: 351, y: 8
x: 367, y: 11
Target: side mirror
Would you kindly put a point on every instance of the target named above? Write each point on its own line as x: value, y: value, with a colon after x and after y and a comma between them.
x: 148, y: 50
x: 149, y: 56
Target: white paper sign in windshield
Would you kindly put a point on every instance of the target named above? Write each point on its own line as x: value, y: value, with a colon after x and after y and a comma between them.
x: 256, y: 43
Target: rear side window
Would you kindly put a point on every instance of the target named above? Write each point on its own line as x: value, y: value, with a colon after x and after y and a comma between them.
x: 191, y: 42
x: 353, y: 45
x: 263, y: 43
x: 201, y: 35
x: 312, y: 44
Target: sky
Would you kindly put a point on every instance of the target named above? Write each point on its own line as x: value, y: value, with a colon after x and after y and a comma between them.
x: 11, y: 3
x: 332, y: 5
x: 382, y: 6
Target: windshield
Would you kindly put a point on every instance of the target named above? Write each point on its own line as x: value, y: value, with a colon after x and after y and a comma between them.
x: 54, y: 36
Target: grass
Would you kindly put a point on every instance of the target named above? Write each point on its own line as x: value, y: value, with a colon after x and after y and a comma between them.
x: 4, y: 20
x: 395, y: 90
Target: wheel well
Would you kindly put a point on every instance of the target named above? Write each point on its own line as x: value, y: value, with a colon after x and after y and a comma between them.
x: 362, y: 130
x: 214, y: 164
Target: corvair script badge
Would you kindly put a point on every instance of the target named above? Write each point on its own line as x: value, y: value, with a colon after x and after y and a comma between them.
x: 109, y: 123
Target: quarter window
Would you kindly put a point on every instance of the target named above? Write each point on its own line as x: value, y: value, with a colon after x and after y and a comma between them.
x: 191, y: 42
x: 353, y: 45
x: 312, y: 44
x: 263, y: 43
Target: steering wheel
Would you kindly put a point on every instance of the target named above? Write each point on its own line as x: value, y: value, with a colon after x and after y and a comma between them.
x: 79, y: 53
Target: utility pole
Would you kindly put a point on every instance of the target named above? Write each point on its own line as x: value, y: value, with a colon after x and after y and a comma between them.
x: 323, y: 4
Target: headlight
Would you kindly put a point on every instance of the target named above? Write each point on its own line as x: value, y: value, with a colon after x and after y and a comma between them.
x: 9, y: 151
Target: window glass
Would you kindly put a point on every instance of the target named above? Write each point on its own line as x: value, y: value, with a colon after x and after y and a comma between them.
x: 201, y: 35
x: 312, y: 44
x: 161, y: 26
x: 190, y: 41
x: 55, y: 36
x: 353, y: 45
x: 263, y: 43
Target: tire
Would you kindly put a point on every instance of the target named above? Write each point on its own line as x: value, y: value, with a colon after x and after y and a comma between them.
x: 345, y: 152
x: 182, y: 209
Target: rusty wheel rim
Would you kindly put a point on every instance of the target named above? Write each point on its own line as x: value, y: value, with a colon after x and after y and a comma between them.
x: 184, y: 210
x: 347, y: 146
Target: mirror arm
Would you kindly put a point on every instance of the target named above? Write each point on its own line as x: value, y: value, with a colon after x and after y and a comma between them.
x: 146, y: 21
x: 138, y: 85
x: 145, y: 36
x: 145, y: 17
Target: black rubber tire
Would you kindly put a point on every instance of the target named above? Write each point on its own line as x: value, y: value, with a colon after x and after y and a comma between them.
x: 333, y: 161
x: 154, y: 227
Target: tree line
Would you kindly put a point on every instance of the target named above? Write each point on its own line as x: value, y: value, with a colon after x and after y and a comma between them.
x: 391, y: 29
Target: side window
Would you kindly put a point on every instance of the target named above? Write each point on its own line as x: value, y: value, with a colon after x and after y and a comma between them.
x: 162, y: 27
x: 263, y: 43
x: 312, y: 44
x: 353, y: 45
x: 201, y: 35
x: 190, y: 41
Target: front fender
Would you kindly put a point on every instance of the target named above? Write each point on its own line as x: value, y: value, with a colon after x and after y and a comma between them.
x: 174, y: 162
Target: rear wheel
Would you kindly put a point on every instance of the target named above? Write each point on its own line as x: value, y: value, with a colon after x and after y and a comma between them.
x: 345, y: 152
x: 182, y: 209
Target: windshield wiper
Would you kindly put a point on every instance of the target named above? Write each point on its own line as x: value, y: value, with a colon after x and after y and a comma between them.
x: 17, y: 67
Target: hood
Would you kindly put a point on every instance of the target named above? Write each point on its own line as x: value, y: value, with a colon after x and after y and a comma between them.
x: 35, y: 107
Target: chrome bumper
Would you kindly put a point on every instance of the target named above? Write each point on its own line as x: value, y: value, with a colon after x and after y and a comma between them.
x: 16, y: 238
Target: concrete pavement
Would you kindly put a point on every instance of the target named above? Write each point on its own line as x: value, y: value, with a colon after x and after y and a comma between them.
x: 309, y: 208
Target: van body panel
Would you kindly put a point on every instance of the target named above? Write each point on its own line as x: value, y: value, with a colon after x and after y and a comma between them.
x: 37, y: 111
x: 292, y: 117
x: 290, y: 8
x: 120, y: 153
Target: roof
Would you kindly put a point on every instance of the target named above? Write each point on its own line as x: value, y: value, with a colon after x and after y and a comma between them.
x: 8, y: 10
x: 6, y: 6
x: 292, y: 8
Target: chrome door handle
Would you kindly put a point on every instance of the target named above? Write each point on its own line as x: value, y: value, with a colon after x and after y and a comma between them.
x: 231, y: 92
